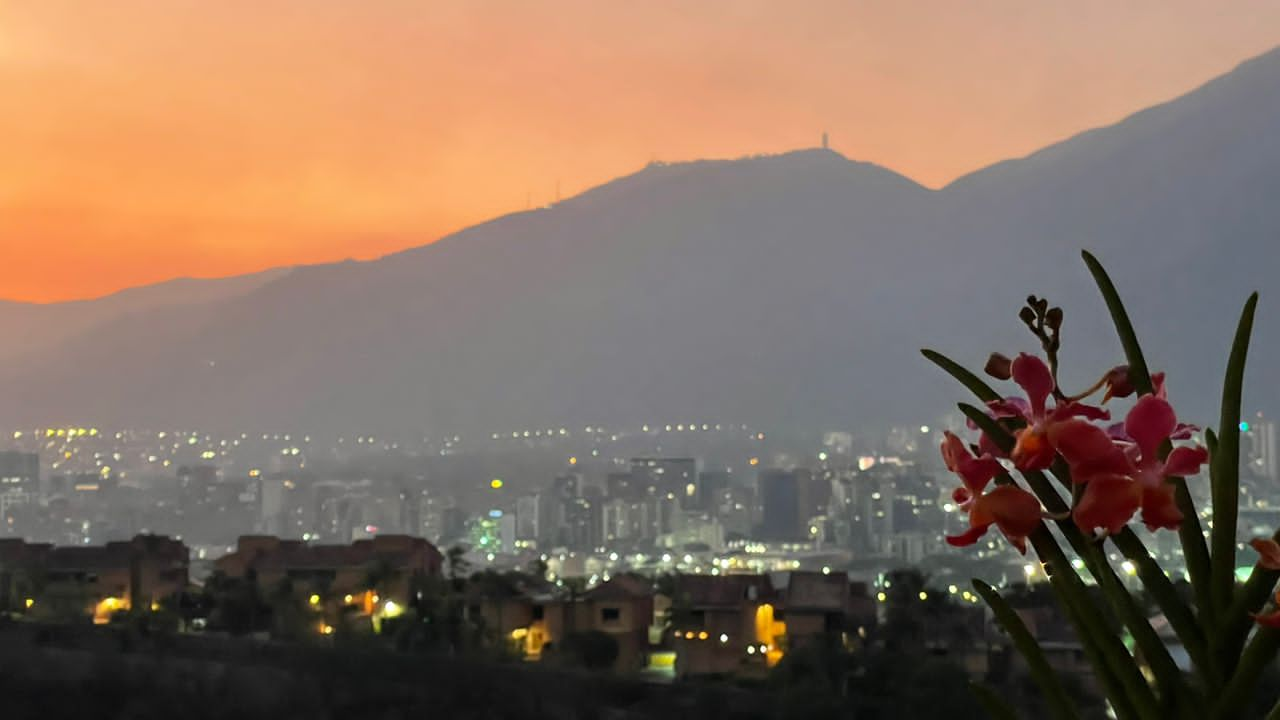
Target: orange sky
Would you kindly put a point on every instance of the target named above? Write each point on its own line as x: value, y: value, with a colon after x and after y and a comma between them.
x: 145, y: 139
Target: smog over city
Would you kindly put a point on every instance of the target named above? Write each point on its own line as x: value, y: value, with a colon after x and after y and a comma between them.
x: 714, y: 359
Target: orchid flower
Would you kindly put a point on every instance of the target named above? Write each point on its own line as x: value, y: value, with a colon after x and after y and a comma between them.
x: 1013, y: 510
x: 1269, y: 559
x: 1268, y: 552
x: 1151, y: 423
x: 1111, y: 496
x: 1033, y: 450
x: 1121, y: 477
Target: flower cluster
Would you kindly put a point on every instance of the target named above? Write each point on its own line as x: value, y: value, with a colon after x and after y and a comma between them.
x: 1117, y: 471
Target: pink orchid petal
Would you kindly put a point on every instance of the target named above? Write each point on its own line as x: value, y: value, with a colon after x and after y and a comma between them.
x: 1185, y: 461
x: 1108, y: 502
x: 1157, y: 385
x: 1010, y: 407
x: 989, y: 447
x: 1075, y: 409
x: 1033, y: 376
x: 968, y: 537
x: 1160, y: 509
x: 1149, y: 423
x: 953, y: 450
x: 1015, y: 511
x: 1268, y: 552
x: 1116, y: 432
x: 1088, y: 450
x: 974, y: 472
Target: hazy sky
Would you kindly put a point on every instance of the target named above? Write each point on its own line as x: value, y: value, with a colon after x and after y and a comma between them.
x: 144, y: 139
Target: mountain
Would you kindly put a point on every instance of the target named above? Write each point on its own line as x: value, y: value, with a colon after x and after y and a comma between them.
x: 33, y: 328
x: 788, y: 291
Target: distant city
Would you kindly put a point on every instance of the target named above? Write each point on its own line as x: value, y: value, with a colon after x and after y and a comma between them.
x: 589, y: 501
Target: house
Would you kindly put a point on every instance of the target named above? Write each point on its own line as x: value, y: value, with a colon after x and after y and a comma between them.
x: 538, y: 622
x: 375, y: 577
x: 814, y: 605
x: 93, y: 581
x: 725, y: 624
x: 621, y: 608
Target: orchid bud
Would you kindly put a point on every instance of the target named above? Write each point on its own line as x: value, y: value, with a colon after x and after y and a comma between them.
x: 999, y: 367
x: 1054, y: 319
x: 1118, y: 384
x: 1027, y: 315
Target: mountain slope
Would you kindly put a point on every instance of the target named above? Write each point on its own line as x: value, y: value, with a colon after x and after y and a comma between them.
x: 787, y: 291
x: 614, y: 305
x: 32, y: 329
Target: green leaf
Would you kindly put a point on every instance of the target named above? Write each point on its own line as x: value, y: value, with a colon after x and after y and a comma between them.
x: 1226, y: 464
x: 1170, y: 602
x: 1130, y: 688
x: 1056, y: 697
x: 966, y: 378
x: 1258, y: 654
x: 1189, y: 532
x: 1138, y: 373
x: 1255, y: 593
x: 995, y: 705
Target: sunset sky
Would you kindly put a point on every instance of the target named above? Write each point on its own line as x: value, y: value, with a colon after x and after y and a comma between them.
x: 146, y: 139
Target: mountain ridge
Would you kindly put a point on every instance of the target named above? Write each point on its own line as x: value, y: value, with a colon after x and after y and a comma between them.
x: 787, y: 290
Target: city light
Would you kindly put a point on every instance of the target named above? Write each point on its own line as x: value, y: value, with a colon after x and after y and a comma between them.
x: 314, y: 599
x: 496, y: 484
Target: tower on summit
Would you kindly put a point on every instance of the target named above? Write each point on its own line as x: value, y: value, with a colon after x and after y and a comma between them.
x: 825, y: 145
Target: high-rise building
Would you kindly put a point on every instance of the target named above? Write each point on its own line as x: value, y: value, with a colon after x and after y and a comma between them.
x: 19, y: 479
x: 528, y: 517
x: 710, y: 483
x: 781, y: 505
x: 663, y: 476
x: 1264, y: 456
x: 838, y: 445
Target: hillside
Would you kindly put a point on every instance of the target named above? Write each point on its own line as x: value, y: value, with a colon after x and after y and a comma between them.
x: 791, y: 290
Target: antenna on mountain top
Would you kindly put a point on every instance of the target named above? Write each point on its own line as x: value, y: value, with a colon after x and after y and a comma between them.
x: 825, y: 145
